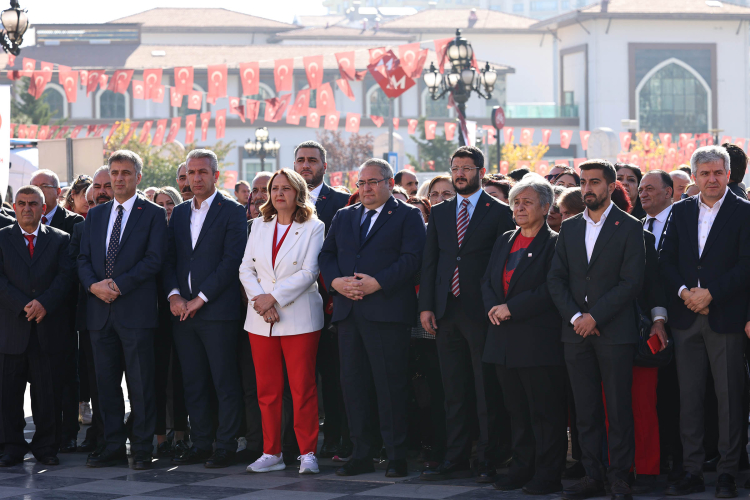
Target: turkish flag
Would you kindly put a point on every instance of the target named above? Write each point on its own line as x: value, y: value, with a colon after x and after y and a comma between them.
x: 157, y: 94
x: 577, y: 163
x: 131, y: 131
x: 508, y: 135
x: 336, y: 178
x: 115, y: 128
x: 84, y: 80
x: 313, y: 70
x: 740, y: 143
x: 275, y: 108
x: 724, y: 138
x: 345, y: 88
x: 352, y: 122
x: 217, y: 81
x: 38, y: 82
x: 377, y: 120
x: 546, y: 133
x: 174, y: 128
x: 324, y: 99
x: 429, y: 129
x: 353, y: 178
x: 565, y: 138
x: 416, y: 71
x: 666, y: 139
x: 120, y: 81
x: 28, y: 65
x: 31, y: 131
x: 690, y: 147
x: 22, y: 131
x: 161, y: 129
x: 250, y: 77
x: 190, y: 128
x: 440, y: 47
x: 205, y: 121
x: 183, y: 80
x: 220, y: 123
x: 625, y: 141
x: 283, y: 69
x: 14, y: 75
x: 683, y: 139
x: 76, y: 130
x: 93, y: 80
x: 143, y: 138
x: 139, y: 89
x: 396, y: 123
x: 345, y: 61
x: 504, y: 167
x: 376, y: 54
x: 300, y: 106
x: 53, y: 131
x: 252, y: 109
x: 646, y: 139
x: 412, y: 124
x: 527, y: 136
x: 103, y: 79
x: 175, y: 98
x: 11, y: 61
x: 313, y: 118
x: 43, y: 132
x: 195, y: 99
x: 541, y: 167
x: 151, y: 80
x: 450, y: 130
x: 585, y: 134
x: 236, y: 109
x: 408, y: 54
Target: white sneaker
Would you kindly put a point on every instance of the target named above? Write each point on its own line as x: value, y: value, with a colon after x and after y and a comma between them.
x: 267, y: 463
x: 84, y: 413
x: 241, y: 444
x: 309, y: 464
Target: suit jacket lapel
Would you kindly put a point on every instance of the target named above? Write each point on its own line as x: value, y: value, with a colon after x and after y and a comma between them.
x: 42, y: 240
x: 291, y: 239
x: 608, y: 229
x: 725, y: 213
x: 503, y: 259
x: 58, y: 219
x: 20, y: 244
x: 135, y: 214
x: 390, y: 206
x: 693, y: 206
x: 213, y: 211
x: 320, y: 203
x: 529, y: 255
x: 452, y: 221
x: 480, y: 211
x: 356, y: 218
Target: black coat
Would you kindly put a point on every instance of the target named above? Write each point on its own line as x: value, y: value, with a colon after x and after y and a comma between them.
x: 329, y: 202
x: 611, y: 281
x: 491, y: 218
x: 65, y: 220
x: 74, y: 249
x: 531, y: 337
x: 6, y: 221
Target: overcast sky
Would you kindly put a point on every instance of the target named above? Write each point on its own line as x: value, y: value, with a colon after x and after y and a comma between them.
x: 98, y: 11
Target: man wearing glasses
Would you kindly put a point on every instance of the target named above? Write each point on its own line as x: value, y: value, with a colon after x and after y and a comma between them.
x: 369, y: 262
x: 460, y: 237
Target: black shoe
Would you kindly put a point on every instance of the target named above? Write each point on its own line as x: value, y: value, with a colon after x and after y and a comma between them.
x: 86, y: 446
x: 575, y: 471
x: 108, y: 458
x: 9, y: 460
x: 643, y: 484
x: 486, y: 472
x: 48, y: 460
x: 220, y: 459
x: 346, y: 449
x: 539, y: 487
x: 192, y: 456
x: 710, y: 464
x: 68, y: 446
x: 725, y: 486
x: 620, y: 490
x: 179, y: 447
x: 164, y: 449
x: 687, y: 484
x: 396, y: 468
x: 510, y: 483
x: 587, y: 487
x: 328, y: 450
x: 675, y: 474
x: 355, y: 467
x: 94, y: 455
x: 141, y: 460
x: 447, y: 470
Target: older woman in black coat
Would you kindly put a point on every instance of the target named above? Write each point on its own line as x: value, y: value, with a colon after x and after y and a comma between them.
x: 524, y: 341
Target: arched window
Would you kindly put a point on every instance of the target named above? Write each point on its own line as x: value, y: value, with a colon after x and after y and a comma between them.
x: 377, y: 102
x: 183, y: 110
x: 112, y: 104
x: 435, y: 109
x: 673, y: 98
x: 54, y: 96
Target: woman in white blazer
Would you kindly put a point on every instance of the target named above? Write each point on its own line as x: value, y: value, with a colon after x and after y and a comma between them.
x: 285, y: 315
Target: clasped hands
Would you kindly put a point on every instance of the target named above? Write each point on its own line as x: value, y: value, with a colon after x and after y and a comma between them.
x: 264, y: 305
x: 184, y: 308
x: 35, y: 311
x: 499, y: 313
x: 585, y: 325
x: 106, y: 290
x: 356, y: 287
x: 697, y: 299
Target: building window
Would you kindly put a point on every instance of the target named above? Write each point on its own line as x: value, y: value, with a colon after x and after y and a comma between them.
x: 377, y: 103
x: 673, y: 98
x: 55, y: 98
x: 517, y: 7
x: 435, y: 109
x: 112, y: 105
x: 183, y: 110
x: 543, y: 5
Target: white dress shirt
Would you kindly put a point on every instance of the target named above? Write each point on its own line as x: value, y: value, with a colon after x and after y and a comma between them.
x: 50, y: 215
x: 593, y: 229
x: 706, y: 217
x: 35, y: 233
x: 473, y: 199
x: 374, y: 216
x: 197, y: 218
x: 661, y: 220
x: 127, y: 208
x: 315, y: 192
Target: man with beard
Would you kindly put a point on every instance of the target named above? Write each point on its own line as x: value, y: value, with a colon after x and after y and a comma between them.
x: 597, y: 273
x: 182, y: 182
x: 460, y: 237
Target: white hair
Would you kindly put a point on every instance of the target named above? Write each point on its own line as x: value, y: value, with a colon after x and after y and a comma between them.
x: 708, y: 154
x: 49, y: 173
x: 204, y: 153
x: 537, y: 183
x: 385, y: 168
x: 680, y: 175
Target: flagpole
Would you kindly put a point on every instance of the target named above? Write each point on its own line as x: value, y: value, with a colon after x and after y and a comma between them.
x: 390, y: 125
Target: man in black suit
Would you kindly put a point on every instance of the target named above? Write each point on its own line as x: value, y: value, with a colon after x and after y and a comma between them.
x: 310, y: 163
x: 36, y: 274
x: 737, y: 169
x: 705, y: 261
x: 206, y: 243
x: 460, y: 237
x: 6, y: 221
x: 596, y: 275
x: 369, y: 262
x: 123, y: 247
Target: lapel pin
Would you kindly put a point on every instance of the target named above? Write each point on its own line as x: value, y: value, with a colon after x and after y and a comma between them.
x: 322, y: 197
x: 617, y: 223
x: 488, y: 204
x: 529, y: 255
x: 140, y: 208
x: 219, y: 203
x: 390, y: 212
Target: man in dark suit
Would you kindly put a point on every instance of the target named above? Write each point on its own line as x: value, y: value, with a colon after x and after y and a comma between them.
x: 122, y: 249
x: 206, y: 243
x: 737, y: 169
x: 460, y: 237
x: 705, y: 261
x: 6, y: 221
x: 36, y: 274
x: 596, y: 275
x: 310, y: 163
x: 369, y: 262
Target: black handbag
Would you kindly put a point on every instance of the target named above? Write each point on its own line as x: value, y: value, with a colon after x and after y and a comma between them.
x: 643, y: 356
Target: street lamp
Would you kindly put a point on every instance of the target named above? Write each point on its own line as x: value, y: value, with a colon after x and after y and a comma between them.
x: 462, y: 79
x: 15, y: 23
x: 262, y: 147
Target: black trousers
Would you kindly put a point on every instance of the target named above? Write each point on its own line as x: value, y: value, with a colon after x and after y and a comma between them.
x: 336, y: 425
x: 251, y: 426
x: 115, y: 346
x: 535, y: 400
x: 41, y: 370
x: 167, y: 362
x: 207, y: 353
x: 70, y: 395
x: 426, y: 375
x: 375, y: 352
x: 668, y: 412
x: 591, y: 366
x: 95, y: 432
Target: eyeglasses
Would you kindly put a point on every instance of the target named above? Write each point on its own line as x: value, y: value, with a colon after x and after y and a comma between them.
x: 47, y: 186
x: 371, y: 182
x: 445, y: 195
x: 463, y: 170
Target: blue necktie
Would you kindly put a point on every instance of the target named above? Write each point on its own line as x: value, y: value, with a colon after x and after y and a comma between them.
x: 365, y: 227
x: 114, y: 244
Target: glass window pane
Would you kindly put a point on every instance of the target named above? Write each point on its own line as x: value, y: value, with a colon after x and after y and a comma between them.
x: 111, y: 105
x: 56, y: 103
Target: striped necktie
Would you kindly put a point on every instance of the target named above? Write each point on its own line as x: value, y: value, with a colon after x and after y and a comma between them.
x: 462, y: 222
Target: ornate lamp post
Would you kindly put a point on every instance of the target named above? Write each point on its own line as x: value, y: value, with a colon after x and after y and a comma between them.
x: 462, y: 79
x: 262, y: 147
x: 15, y: 23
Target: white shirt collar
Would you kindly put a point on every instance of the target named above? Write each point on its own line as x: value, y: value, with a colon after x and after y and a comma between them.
x: 662, y: 216
x: 603, y: 218
x: 206, y: 203
x: 315, y: 192
x: 127, y: 206
x: 51, y: 214
x: 717, y: 205
x: 377, y: 210
x: 473, y: 199
x: 36, y: 231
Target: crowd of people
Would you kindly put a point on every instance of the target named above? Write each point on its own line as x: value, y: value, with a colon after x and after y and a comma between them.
x: 479, y: 321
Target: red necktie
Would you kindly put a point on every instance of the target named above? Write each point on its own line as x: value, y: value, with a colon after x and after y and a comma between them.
x: 30, y: 239
x: 44, y: 219
x: 462, y: 223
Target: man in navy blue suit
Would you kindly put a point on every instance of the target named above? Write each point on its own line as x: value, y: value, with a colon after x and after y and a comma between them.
x: 207, y: 239
x: 369, y: 262
x: 123, y: 247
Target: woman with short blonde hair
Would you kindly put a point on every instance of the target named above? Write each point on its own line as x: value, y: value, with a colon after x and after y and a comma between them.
x: 305, y: 209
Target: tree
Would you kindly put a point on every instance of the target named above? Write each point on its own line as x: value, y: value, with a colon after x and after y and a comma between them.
x: 342, y: 155
x: 438, y: 150
x: 29, y: 110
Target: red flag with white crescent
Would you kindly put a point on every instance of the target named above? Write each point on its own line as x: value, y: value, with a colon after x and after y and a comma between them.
x: 61, y: 71
x: 112, y: 130
x: 190, y: 128
x: 332, y: 121
x: 666, y: 139
x: 527, y: 136
x: 53, y: 131
x: 313, y: 118
x: 440, y: 47
x: 412, y: 126
x: 31, y: 131
x: 450, y: 130
x: 217, y: 81
x: 120, y: 81
x: 585, y: 134
x: 508, y: 135
x: 416, y: 71
x: 345, y: 61
x: 139, y: 89
x: 301, y: 103
x: 220, y: 123
x: 38, y: 82
x: 377, y: 120
x: 313, y: 70
x: 408, y: 54
x: 546, y: 133
x: 252, y: 109
x: 205, y: 122
x: 324, y: 99
x: 161, y: 130
x: 157, y: 94
x: 352, y: 122
x: 90, y: 129
x: 28, y: 65
x: 343, y: 84
x: 43, y: 132
x: 143, y: 138
x: 429, y: 129
x: 625, y: 138
x: 174, y: 128
x: 151, y: 80
x: 84, y: 80
x: 94, y: 76
x: 131, y: 132
x: 76, y: 130
x: 236, y: 109
x: 175, y: 98
x: 195, y: 99
x: 565, y: 137
x: 275, y: 107
x: 183, y: 79
x: 283, y: 70
x: 250, y: 78
x: 376, y: 54
x: 396, y: 123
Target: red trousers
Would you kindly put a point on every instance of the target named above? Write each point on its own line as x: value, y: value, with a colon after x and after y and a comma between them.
x: 645, y: 420
x: 299, y: 352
